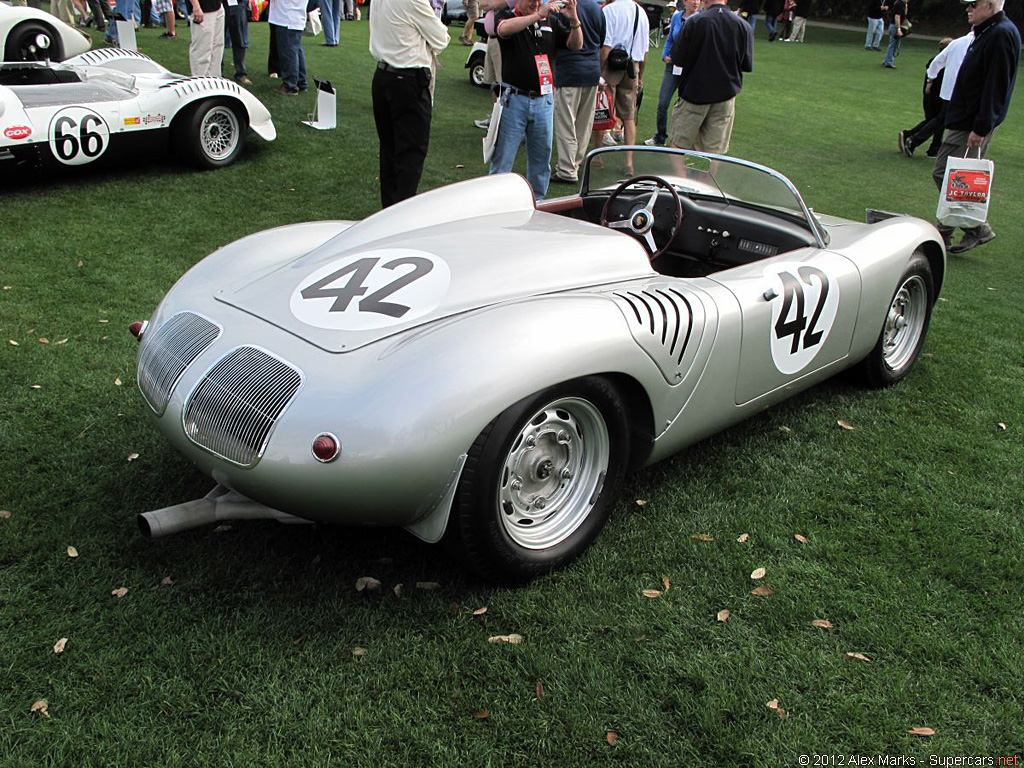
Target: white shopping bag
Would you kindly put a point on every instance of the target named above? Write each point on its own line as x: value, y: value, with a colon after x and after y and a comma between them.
x: 325, y: 116
x: 492, y: 131
x: 966, y: 189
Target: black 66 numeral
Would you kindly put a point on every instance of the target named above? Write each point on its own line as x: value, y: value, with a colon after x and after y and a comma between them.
x: 89, y: 142
x: 794, y: 291
x: 360, y: 270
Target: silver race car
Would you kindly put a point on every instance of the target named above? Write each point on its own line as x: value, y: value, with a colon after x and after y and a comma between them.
x: 31, y: 34
x: 484, y: 370
x: 113, y: 104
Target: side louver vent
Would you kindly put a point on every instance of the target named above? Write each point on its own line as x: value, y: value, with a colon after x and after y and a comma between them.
x: 664, y: 314
x: 173, y: 347
x: 233, y: 410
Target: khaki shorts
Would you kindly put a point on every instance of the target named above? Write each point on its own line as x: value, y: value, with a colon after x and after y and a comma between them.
x: 472, y: 8
x: 492, y: 62
x: 706, y: 127
x: 623, y: 93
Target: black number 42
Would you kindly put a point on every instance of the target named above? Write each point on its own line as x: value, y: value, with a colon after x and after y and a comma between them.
x: 359, y: 271
x: 794, y: 292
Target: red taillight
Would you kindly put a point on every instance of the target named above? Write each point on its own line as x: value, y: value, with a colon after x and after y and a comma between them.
x: 326, y: 447
x: 138, y: 328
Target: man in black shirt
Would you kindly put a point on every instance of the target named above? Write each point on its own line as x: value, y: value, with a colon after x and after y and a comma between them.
x: 899, y: 15
x: 714, y: 49
x: 876, y: 25
x: 980, y: 99
x: 529, y: 35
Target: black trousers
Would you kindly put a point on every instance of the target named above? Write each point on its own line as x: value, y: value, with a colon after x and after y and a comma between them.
x: 402, y: 111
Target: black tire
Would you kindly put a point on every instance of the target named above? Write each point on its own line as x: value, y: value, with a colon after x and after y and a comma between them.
x: 904, y: 327
x: 444, y: 16
x: 476, y: 71
x: 211, y: 133
x: 23, y: 43
x: 566, y: 448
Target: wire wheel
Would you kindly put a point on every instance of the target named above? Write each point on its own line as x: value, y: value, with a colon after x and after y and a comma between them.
x: 553, y: 473
x: 219, y: 133
x: 905, y: 323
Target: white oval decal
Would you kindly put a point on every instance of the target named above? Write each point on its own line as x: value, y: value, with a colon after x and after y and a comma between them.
x: 78, y: 136
x: 803, y: 311
x: 372, y: 289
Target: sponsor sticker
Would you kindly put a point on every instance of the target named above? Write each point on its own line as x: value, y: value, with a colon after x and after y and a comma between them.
x: 372, y: 289
x: 132, y: 121
x: 804, y: 308
x: 969, y: 186
x: 154, y: 119
x: 16, y: 132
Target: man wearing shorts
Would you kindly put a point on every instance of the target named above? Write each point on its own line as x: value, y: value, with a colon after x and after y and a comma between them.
x: 713, y: 49
x: 626, y: 27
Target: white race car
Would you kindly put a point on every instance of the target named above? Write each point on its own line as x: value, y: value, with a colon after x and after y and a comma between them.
x: 29, y: 34
x: 118, y: 104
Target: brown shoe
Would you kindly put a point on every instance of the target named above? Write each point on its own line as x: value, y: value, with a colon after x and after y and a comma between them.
x: 243, y: 80
x: 283, y: 90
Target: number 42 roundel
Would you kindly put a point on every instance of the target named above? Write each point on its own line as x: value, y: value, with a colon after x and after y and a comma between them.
x: 803, y: 311
x: 372, y: 289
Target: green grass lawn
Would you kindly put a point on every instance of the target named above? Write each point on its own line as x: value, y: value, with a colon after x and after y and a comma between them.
x: 913, y: 520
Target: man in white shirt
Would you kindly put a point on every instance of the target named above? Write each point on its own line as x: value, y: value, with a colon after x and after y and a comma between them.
x: 404, y: 34
x: 947, y: 65
x: 289, y: 17
x: 626, y: 29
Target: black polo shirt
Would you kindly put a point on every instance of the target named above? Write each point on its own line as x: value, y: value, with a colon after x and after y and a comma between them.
x: 981, y: 96
x: 519, y: 52
x: 714, y: 48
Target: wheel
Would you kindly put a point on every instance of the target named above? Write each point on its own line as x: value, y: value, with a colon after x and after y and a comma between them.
x: 640, y: 221
x: 33, y: 41
x: 476, y: 71
x: 540, y: 481
x: 211, y: 134
x: 905, y: 327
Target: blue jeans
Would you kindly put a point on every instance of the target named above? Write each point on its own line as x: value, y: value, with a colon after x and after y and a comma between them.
x: 874, y: 37
x: 292, y: 58
x: 130, y: 9
x: 535, y: 118
x: 330, y: 15
x: 769, y: 22
x: 894, y: 45
x: 669, y: 83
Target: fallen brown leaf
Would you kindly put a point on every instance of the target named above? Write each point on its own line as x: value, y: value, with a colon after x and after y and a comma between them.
x: 72, y: 552
x: 117, y: 381
x: 367, y: 583
x: 773, y: 704
x: 41, y: 707
x: 539, y: 689
x: 481, y: 714
x: 1002, y: 426
x: 459, y: 165
x: 701, y: 537
x: 43, y: 340
x: 801, y: 539
x: 651, y: 593
x: 783, y: 714
x: 758, y: 573
x: 223, y: 528
x: 611, y: 737
x: 62, y: 341
x: 512, y: 639
x: 763, y: 590
x: 639, y: 502
x: 666, y: 583
x: 427, y: 585
x: 921, y: 731
x: 784, y: 428
x: 34, y: 386
x: 58, y: 647
x: 822, y: 624
x: 851, y: 656
x: 132, y: 457
x: 480, y: 611
x: 357, y: 652
x: 640, y: 639
x: 723, y: 615
x: 846, y: 425
x: 167, y: 581
x: 744, y: 537
x: 397, y: 589
x: 4, y: 514
x: 13, y: 343
x: 104, y: 321
x: 119, y: 592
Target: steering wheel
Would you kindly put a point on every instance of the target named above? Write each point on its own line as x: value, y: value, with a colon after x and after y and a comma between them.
x: 641, y: 221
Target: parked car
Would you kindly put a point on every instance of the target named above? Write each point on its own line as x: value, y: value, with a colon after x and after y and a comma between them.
x: 475, y: 64
x: 114, y: 104
x: 453, y: 11
x: 394, y: 372
x: 29, y: 34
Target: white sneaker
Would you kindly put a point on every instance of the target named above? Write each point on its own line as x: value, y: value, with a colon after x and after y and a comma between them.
x: 484, y: 124
x: 608, y: 140
x: 619, y: 136
x: 653, y: 143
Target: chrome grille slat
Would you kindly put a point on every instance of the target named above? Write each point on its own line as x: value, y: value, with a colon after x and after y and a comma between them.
x: 173, y: 347
x: 233, y: 409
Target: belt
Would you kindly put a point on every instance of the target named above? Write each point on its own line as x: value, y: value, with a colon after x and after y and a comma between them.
x: 388, y: 68
x: 521, y: 92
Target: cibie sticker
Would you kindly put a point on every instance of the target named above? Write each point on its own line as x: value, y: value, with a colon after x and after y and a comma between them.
x: 803, y: 310
x: 78, y: 136
x: 372, y: 289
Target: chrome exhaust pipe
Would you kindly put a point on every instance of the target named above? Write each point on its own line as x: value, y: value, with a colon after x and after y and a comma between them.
x: 217, y: 506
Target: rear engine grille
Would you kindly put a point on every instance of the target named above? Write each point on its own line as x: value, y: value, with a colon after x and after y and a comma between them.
x: 233, y: 410
x: 174, y: 347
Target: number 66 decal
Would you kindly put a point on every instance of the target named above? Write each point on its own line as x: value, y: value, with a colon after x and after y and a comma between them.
x: 372, y: 289
x: 804, y: 304
x: 77, y: 136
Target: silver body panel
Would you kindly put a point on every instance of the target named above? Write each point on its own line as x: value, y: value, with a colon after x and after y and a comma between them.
x: 546, y: 299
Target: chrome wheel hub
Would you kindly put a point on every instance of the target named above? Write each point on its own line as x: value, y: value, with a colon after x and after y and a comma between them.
x: 553, y: 473
x: 219, y: 133
x: 904, y: 324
